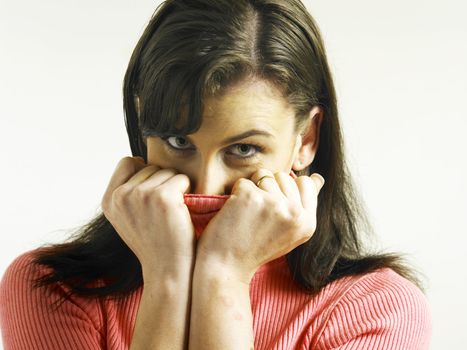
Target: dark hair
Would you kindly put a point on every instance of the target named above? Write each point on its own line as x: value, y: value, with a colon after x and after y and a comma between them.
x: 196, y: 48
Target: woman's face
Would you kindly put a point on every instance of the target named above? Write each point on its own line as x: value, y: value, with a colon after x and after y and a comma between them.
x: 249, y: 127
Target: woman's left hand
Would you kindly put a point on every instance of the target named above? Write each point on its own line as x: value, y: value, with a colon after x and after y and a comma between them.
x: 259, y: 224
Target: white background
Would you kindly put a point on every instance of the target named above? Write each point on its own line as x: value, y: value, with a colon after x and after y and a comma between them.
x: 400, y: 74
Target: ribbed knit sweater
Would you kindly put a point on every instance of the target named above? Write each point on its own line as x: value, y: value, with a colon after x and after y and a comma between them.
x: 377, y: 310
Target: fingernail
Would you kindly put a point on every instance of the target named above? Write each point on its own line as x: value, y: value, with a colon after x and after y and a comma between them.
x: 321, y: 180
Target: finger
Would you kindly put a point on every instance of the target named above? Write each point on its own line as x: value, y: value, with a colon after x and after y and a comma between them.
x: 158, y: 178
x: 319, y: 181
x: 142, y: 175
x: 126, y: 169
x: 288, y: 187
x: 242, y: 184
x: 268, y: 184
x: 308, y: 192
x: 180, y: 183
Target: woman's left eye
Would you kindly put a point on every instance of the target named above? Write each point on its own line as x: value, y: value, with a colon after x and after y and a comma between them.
x: 247, y: 150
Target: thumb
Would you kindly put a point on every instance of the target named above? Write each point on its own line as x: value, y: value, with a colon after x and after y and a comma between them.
x: 139, y: 158
x: 319, y: 181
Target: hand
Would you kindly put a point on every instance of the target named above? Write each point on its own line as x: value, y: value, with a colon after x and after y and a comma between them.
x: 145, y: 205
x: 259, y: 224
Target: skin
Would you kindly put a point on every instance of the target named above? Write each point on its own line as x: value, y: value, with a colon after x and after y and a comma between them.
x: 196, y: 293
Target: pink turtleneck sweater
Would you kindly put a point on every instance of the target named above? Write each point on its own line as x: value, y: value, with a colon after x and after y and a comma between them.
x: 379, y: 310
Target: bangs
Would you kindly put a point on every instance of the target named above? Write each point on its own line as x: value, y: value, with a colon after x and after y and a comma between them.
x: 190, y: 54
x: 174, y: 103
x: 172, y: 106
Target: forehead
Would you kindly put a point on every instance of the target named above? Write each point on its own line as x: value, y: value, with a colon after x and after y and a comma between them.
x: 252, y: 104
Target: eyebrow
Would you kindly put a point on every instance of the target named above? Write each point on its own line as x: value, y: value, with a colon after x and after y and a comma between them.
x: 232, y: 139
x: 244, y: 135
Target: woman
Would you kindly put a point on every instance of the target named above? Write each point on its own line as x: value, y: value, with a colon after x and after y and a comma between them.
x: 220, y: 232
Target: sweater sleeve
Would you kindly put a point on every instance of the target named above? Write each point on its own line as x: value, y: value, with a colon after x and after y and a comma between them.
x: 381, y: 311
x: 29, y: 321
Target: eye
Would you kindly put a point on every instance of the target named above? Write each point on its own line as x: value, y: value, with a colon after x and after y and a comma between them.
x: 240, y: 152
x: 179, y: 145
x: 247, y: 150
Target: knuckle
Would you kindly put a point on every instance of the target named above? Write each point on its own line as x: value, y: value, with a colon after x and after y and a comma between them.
x: 120, y: 195
x: 241, y: 187
x: 154, y: 169
x: 284, y: 219
x: 242, y: 183
x: 125, y: 161
x: 181, y: 177
x: 255, y: 200
x: 141, y: 193
x: 185, y: 180
x: 125, y: 166
x: 295, y: 212
x: 272, y: 204
x: 276, y: 210
x: 163, y: 197
x: 290, y: 217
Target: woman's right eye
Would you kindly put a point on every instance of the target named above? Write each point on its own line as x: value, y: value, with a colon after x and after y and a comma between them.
x: 178, y: 143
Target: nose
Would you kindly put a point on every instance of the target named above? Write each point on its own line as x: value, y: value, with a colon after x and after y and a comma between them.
x: 212, y: 180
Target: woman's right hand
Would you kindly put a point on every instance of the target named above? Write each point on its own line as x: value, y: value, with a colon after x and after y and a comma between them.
x: 145, y: 205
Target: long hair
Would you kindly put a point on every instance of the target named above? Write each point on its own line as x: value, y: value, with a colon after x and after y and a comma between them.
x: 191, y: 49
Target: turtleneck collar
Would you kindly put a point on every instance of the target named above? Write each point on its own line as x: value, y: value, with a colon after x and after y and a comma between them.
x: 203, y: 207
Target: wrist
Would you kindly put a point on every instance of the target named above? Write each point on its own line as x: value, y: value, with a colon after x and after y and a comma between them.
x: 214, y: 268
x: 174, y: 274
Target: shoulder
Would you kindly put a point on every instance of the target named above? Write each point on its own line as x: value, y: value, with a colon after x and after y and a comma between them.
x: 21, y: 275
x: 21, y: 270
x: 387, y: 284
x: 30, y: 315
x: 378, y: 307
